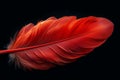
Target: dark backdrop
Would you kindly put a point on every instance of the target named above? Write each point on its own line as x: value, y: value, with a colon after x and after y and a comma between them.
x: 102, y: 63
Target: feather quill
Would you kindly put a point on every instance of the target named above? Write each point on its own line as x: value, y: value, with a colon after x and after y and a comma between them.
x: 57, y: 41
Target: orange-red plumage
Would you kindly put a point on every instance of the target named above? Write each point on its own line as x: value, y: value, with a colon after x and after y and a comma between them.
x: 58, y: 41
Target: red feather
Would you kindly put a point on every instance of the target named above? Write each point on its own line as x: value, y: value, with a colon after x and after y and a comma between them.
x: 58, y: 41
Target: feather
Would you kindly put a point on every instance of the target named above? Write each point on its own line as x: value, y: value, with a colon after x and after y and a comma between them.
x: 57, y: 41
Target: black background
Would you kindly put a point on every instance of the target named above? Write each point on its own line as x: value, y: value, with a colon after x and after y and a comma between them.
x: 102, y: 63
